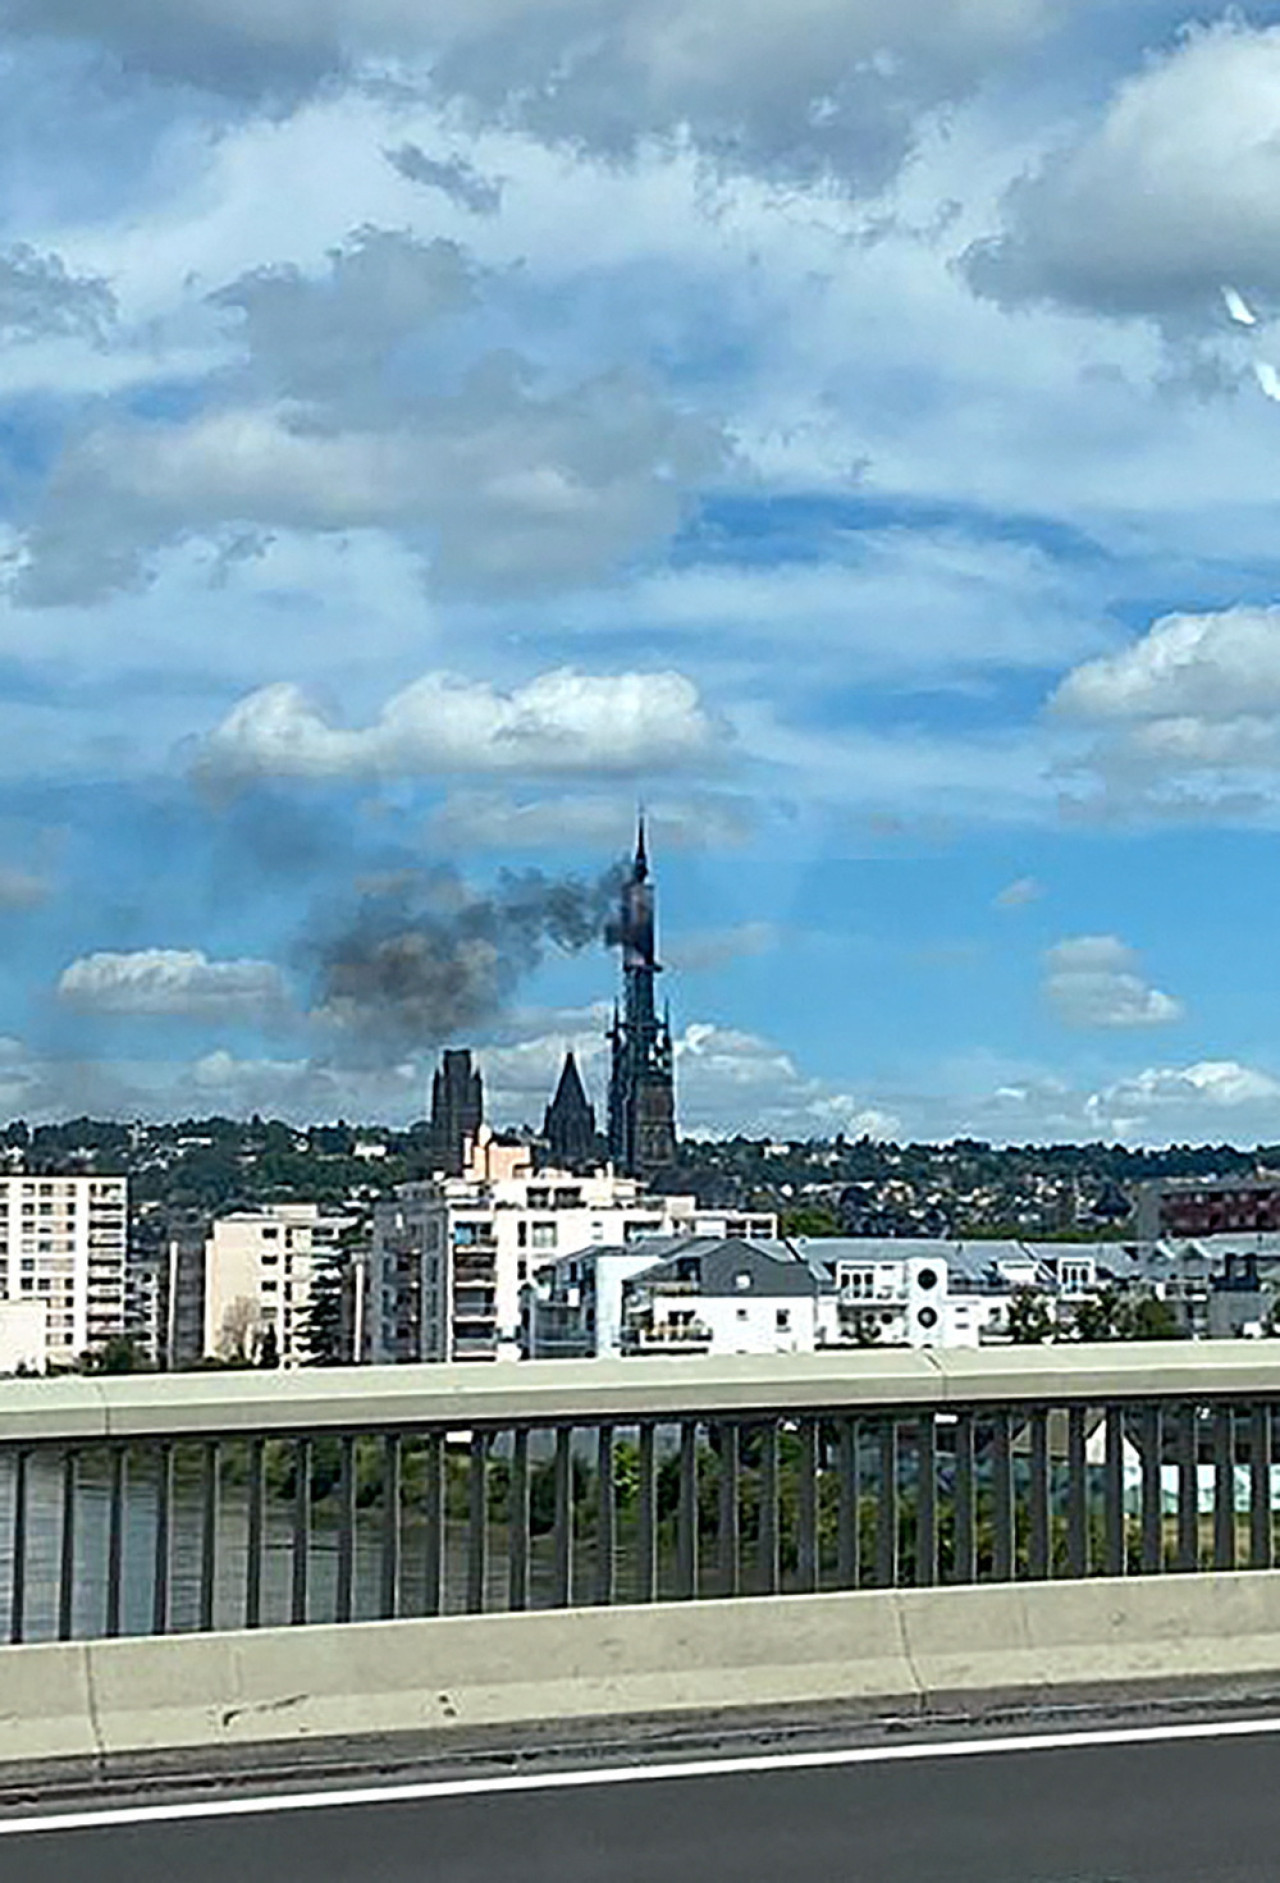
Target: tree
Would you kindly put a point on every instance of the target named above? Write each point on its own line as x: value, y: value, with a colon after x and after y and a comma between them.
x: 1113, y: 1315
x: 1030, y: 1320
x: 240, y: 1332
x: 120, y: 1354
x: 810, y: 1219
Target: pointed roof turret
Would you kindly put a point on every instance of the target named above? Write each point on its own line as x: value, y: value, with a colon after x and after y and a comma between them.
x: 570, y: 1090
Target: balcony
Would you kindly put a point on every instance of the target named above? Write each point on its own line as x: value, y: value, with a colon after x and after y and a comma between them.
x: 658, y: 1336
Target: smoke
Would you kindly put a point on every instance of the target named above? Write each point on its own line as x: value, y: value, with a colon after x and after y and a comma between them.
x: 426, y: 958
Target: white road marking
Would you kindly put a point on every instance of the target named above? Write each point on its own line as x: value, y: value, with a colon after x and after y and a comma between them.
x: 268, y: 1804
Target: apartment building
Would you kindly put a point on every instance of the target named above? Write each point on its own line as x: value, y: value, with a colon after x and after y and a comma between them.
x: 449, y: 1257
x: 1186, y: 1207
x: 752, y: 1295
x: 259, y: 1270
x: 63, y: 1241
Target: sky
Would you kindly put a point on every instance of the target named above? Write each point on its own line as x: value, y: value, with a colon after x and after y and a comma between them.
x: 850, y: 429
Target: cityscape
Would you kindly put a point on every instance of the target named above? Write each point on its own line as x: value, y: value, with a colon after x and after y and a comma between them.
x: 639, y: 1042
x: 260, y: 1244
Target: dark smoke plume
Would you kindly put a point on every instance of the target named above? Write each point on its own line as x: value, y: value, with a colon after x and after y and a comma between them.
x: 427, y: 959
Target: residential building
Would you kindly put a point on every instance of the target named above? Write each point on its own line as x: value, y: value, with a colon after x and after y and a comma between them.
x: 723, y: 1297
x: 449, y: 1257
x: 63, y: 1241
x: 259, y: 1268
x: 1185, y: 1207
x: 741, y: 1291
x: 182, y: 1306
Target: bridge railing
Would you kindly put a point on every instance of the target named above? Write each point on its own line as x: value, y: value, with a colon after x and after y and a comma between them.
x: 154, y: 1505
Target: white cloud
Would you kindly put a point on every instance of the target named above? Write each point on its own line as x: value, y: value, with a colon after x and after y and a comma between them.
x: 1186, y: 719
x: 40, y: 299
x: 1216, y: 666
x: 1175, y: 191
x: 1209, y: 1086
x: 1017, y: 894
x: 491, y: 820
x: 173, y: 981
x: 778, y: 85
x: 559, y: 722
x: 328, y: 426
x: 1095, y: 981
x: 729, y: 1080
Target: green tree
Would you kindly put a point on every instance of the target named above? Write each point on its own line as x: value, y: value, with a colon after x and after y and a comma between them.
x: 810, y: 1219
x: 120, y: 1354
x: 1030, y: 1319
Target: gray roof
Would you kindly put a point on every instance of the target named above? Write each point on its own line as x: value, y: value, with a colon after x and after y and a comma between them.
x: 774, y: 1268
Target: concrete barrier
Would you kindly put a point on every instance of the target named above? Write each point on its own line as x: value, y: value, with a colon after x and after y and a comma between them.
x: 884, y: 1650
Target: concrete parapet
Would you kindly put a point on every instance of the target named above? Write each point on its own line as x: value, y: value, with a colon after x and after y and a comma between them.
x: 584, y: 1392
x: 896, y: 1649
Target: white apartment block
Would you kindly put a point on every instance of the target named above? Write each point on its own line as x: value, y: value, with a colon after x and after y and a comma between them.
x: 451, y: 1256
x: 258, y: 1271
x: 756, y: 1295
x: 63, y: 1242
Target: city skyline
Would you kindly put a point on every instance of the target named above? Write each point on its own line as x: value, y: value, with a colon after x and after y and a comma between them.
x: 421, y: 442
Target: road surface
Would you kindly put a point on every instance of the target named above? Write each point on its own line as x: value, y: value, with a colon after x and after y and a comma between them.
x: 1182, y: 1804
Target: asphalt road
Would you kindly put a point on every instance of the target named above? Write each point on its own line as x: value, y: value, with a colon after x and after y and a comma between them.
x: 1201, y: 1810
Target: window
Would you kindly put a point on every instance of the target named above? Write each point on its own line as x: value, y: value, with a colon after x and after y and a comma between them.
x: 783, y: 1319
x: 543, y: 1236
x: 857, y: 1284
x: 742, y: 1280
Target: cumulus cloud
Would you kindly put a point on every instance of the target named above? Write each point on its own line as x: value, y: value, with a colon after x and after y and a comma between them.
x: 1017, y: 894
x: 1175, y: 190
x: 790, y: 86
x: 40, y: 299
x: 1186, y: 717
x: 173, y: 982
x: 492, y: 820
x: 1096, y: 981
x: 454, y: 177
x: 1201, y: 1090
x: 560, y: 722
x: 329, y: 425
x: 732, y: 1080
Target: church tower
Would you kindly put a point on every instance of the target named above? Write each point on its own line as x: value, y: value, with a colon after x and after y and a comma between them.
x: 570, y: 1123
x: 642, y: 1124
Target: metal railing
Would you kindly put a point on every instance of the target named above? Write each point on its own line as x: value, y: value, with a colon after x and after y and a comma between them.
x: 200, y: 1501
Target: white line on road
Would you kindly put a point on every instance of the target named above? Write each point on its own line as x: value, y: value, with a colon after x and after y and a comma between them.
x: 267, y: 1804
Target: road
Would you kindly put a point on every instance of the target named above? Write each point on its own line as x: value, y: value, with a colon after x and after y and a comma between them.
x: 1171, y: 1809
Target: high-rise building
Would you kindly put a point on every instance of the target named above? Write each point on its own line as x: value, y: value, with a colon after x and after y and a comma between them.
x: 642, y: 1125
x: 259, y: 1268
x: 570, y: 1123
x: 449, y: 1260
x: 457, y: 1111
x: 63, y: 1241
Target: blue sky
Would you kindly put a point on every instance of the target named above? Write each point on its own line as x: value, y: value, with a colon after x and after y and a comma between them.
x: 427, y: 432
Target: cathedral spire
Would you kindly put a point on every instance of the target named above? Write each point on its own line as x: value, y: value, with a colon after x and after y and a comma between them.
x: 642, y: 1138
x: 642, y: 851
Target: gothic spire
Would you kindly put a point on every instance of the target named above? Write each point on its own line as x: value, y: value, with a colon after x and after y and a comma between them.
x: 642, y: 852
